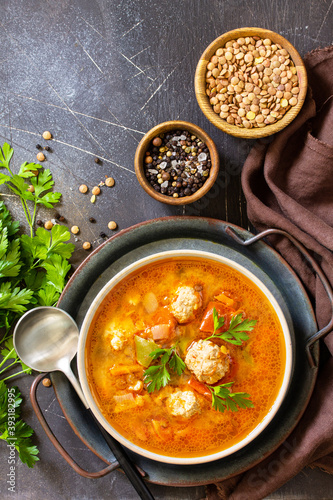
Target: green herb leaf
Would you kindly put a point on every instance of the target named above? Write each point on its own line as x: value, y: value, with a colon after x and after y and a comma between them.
x: 218, y: 321
x: 157, y: 376
x: 223, y: 399
x: 27, y: 169
x: 14, y: 299
x: 177, y: 364
x: 6, y: 152
x: 236, y: 332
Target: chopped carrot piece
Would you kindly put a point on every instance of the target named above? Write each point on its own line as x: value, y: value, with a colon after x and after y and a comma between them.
x: 207, y: 324
x: 225, y: 300
x: 198, y: 387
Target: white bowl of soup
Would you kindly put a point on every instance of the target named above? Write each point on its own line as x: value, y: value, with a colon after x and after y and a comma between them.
x: 185, y: 357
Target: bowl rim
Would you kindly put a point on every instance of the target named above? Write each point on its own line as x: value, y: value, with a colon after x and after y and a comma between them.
x: 81, y: 358
x: 200, y: 84
x: 166, y: 127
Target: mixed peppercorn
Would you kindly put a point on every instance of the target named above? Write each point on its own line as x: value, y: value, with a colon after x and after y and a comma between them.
x: 177, y: 163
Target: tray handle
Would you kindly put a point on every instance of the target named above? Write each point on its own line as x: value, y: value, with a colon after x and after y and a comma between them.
x: 326, y: 284
x: 55, y: 442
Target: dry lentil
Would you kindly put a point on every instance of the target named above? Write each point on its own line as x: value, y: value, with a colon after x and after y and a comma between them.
x: 112, y: 225
x: 83, y: 188
x: 48, y: 224
x: 46, y: 382
x: 109, y: 182
x: 179, y: 166
x: 40, y: 157
x: 75, y: 229
x: 31, y: 188
x: 47, y: 135
x: 256, y: 73
x: 86, y: 245
x: 95, y: 190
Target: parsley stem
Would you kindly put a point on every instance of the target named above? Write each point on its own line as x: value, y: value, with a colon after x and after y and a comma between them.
x: 17, y: 373
x: 5, y: 358
x: 9, y: 366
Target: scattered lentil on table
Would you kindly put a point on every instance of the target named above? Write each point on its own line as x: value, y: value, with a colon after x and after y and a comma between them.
x: 252, y: 82
x: 40, y: 157
x: 83, y: 188
x: 86, y: 245
x: 46, y: 382
x: 109, y: 181
x: 177, y: 163
x: 96, y: 190
x: 75, y: 229
x: 48, y: 224
x: 112, y: 225
x: 47, y: 135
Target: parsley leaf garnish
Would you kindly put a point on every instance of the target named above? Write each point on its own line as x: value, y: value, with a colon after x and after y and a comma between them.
x: 236, y: 332
x: 158, y: 376
x: 223, y: 399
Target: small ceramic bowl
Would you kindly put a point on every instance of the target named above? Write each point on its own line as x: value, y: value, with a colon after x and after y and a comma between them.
x: 163, y: 128
x: 203, y: 99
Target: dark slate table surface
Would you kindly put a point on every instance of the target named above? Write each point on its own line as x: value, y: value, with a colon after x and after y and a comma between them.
x: 98, y: 74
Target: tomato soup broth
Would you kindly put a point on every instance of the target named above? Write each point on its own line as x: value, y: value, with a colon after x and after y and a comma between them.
x: 128, y: 316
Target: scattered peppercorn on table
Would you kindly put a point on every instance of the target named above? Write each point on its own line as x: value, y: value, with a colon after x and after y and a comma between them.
x: 82, y: 83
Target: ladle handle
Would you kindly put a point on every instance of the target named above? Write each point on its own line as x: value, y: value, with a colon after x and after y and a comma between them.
x: 66, y: 369
x: 91, y: 475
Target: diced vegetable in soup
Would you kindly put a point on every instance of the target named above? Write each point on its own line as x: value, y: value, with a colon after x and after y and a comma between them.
x: 185, y: 357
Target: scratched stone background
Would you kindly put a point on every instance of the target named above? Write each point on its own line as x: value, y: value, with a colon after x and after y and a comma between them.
x: 98, y: 75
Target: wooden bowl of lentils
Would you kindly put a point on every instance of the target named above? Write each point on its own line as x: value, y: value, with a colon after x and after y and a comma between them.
x: 250, y: 82
x: 176, y: 162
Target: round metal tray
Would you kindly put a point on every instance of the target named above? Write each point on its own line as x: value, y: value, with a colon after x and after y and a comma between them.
x: 209, y: 235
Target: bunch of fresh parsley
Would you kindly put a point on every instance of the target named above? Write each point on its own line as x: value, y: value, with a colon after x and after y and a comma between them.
x: 33, y: 270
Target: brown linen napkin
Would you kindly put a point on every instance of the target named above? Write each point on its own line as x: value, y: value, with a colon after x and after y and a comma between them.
x: 288, y: 185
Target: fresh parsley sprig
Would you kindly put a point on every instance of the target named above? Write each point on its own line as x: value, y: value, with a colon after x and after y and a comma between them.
x: 236, y: 332
x: 158, y: 376
x: 41, y: 180
x: 223, y: 399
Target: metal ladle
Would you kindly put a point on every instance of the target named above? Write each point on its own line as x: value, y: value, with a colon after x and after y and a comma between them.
x: 46, y: 339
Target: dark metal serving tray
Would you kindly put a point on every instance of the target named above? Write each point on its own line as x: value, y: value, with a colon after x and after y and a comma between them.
x: 210, y: 235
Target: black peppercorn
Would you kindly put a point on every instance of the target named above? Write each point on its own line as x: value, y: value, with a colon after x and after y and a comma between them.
x: 47, y: 148
x: 91, y: 219
x: 96, y: 160
x: 39, y: 222
x: 102, y: 235
x: 175, y: 167
x: 38, y: 146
